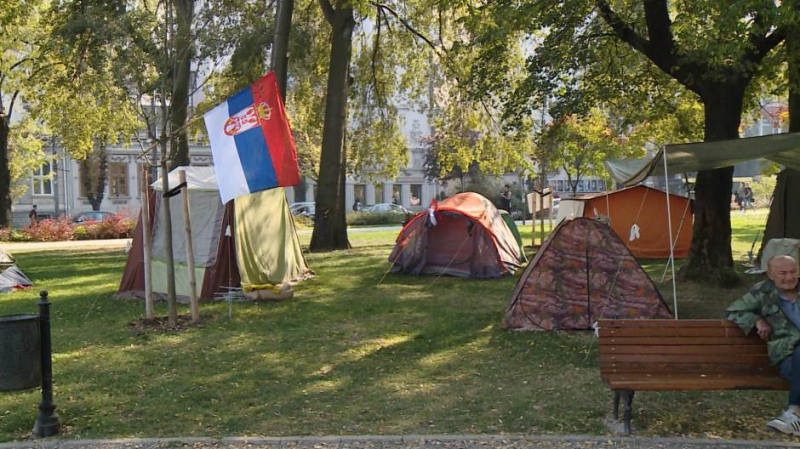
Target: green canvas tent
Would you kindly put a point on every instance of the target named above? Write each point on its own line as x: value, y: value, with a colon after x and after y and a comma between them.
x: 682, y: 158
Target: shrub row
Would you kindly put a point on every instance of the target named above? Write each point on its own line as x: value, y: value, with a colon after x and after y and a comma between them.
x: 376, y: 218
x: 117, y: 226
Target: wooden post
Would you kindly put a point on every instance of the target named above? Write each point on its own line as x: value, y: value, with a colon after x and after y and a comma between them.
x: 172, y: 301
x: 541, y: 219
x: 189, y: 249
x: 146, y: 236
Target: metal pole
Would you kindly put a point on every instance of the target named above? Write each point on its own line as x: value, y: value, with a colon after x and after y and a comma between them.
x: 669, y: 223
x: 48, y: 423
x: 187, y: 221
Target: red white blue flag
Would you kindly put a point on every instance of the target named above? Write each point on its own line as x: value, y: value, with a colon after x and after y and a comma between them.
x: 251, y: 141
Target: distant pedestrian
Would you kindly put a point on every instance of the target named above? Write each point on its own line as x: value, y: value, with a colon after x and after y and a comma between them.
x: 505, y: 198
x: 33, y: 215
x: 356, y: 205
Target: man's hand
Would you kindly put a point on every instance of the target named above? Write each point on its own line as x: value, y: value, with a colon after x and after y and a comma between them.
x: 763, y: 328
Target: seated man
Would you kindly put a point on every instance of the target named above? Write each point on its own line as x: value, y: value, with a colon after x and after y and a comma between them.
x: 771, y: 307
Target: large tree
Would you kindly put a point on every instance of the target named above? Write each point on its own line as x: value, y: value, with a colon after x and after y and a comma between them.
x: 711, y: 48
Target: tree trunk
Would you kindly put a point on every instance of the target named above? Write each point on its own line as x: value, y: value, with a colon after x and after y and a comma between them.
x: 95, y: 187
x: 184, y: 49
x: 710, y: 257
x: 280, y: 44
x: 784, y: 212
x: 330, y: 227
x: 5, y: 173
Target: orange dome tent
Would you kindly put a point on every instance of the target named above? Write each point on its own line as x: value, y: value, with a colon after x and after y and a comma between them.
x: 641, y: 205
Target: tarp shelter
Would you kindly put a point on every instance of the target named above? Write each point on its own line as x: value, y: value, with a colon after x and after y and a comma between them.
x: 249, y: 242
x: 641, y: 205
x: 470, y: 239
x: 683, y: 158
x: 11, y: 277
x: 583, y: 272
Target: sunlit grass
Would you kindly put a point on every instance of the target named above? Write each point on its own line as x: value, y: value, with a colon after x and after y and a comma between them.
x: 414, y: 355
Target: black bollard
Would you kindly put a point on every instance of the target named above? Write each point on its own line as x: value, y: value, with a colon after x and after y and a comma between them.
x: 47, y: 424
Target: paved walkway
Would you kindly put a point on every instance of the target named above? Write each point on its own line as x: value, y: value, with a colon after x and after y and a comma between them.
x: 72, y: 245
x: 409, y: 441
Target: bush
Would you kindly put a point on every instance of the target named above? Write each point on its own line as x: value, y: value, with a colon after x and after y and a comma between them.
x: 375, y: 218
x: 50, y: 230
x: 303, y: 221
x: 117, y: 226
x: 79, y: 232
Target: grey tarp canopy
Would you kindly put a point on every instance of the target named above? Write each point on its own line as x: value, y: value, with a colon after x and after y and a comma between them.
x: 682, y: 158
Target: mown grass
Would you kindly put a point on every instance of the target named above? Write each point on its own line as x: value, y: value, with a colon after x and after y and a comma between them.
x: 414, y: 355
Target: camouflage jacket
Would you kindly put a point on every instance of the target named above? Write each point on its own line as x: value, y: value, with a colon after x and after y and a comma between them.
x: 762, y: 301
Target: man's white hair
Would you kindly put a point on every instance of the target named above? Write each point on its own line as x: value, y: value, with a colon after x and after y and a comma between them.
x: 780, y: 257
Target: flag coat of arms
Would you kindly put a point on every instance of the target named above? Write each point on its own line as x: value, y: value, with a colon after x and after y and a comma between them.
x: 251, y: 141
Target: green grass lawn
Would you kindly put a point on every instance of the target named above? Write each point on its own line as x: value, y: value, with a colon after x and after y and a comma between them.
x: 347, y: 356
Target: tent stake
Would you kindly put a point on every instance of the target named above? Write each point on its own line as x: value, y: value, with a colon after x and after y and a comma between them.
x: 189, y: 248
x: 669, y: 222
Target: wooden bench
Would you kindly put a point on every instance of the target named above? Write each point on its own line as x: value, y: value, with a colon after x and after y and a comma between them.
x: 681, y: 355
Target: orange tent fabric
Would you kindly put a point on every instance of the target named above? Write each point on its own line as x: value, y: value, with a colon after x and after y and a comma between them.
x: 647, y: 207
x: 470, y: 239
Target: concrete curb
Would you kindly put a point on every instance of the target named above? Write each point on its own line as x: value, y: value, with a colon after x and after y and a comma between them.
x: 285, y: 441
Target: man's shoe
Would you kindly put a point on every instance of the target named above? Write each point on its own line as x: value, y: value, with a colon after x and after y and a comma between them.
x: 788, y: 423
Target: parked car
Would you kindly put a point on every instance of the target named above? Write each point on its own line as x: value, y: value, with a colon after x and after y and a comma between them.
x: 94, y: 215
x: 305, y: 209
x: 387, y: 208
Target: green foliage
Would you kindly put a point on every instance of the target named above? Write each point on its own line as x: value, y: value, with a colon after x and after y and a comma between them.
x: 763, y: 188
x: 26, y: 153
x: 375, y: 218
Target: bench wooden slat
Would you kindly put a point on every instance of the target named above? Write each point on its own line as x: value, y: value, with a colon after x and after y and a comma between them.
x: 687, y: 358
x: 671, y: 332
x: 695, y: 382
x: 694, y: 368
x: 627, y: 324
x: 682, y: 349
x: 681, y: 341
x: 673, y: 341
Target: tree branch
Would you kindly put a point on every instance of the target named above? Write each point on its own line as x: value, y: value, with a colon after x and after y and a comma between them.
x: 408, y: 26
x: 622, y: 29
x: 327, y: 10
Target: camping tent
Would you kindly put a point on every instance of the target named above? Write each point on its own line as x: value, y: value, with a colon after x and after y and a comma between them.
x: 249, y: 242
x: 582, y: 272
x: 11, y: 277
x: 469, y: 239
x: 643, y: 206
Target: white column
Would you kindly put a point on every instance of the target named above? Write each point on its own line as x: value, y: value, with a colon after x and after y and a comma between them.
x: 349, y: 196
x: 387, y: 192
x: 289, y: 194
x: 405, y: 195
x: 309, y: 190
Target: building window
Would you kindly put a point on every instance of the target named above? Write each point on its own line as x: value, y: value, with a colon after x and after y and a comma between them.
x: 416, y: 194
x: 42, y: 180
x: 360, y: 193
x: 594, y: 185
x: 118, y: 179
x: 396, y: 193
x: 560, y: 187
x: 378, y: 193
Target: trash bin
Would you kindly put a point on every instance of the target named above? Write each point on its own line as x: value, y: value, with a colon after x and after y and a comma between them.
x: 20, y: 352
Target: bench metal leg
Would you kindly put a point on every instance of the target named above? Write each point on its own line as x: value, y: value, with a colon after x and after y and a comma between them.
x: 627, y: 396
x: 616, y: 404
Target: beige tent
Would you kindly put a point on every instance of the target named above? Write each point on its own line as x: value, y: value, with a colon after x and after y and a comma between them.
x: 250, y: 242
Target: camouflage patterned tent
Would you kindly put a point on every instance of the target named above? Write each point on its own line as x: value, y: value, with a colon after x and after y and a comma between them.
x: 582, y: 273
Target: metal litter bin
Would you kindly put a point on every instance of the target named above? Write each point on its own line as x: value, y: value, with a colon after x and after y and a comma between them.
x: 20, y: 352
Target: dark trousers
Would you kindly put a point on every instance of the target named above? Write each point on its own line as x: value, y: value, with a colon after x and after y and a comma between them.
x: 790, y: 370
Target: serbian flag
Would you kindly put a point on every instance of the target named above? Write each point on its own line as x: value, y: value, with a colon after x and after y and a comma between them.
x: 251, y: 141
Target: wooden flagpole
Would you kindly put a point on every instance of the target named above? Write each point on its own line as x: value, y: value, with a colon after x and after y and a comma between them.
x: 195, y: 307
x: 146, y: 245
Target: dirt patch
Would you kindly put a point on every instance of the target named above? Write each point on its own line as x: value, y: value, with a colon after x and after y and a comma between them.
x: 161, y: 324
